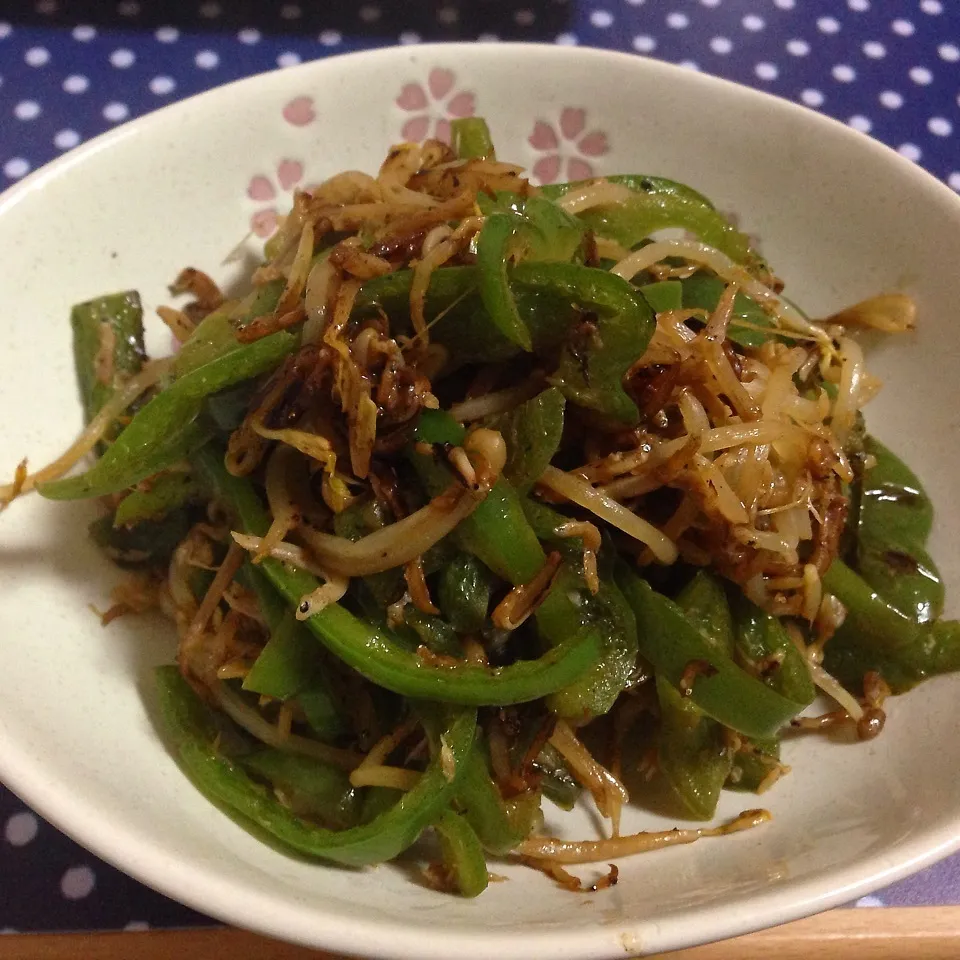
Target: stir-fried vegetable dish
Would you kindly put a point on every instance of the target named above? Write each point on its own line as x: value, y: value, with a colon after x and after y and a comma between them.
x: 486, y: 495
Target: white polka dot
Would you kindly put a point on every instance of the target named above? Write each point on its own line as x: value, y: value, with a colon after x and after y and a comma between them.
x: 949, y: 52
x: 932, y: 7
x: 828, y: 25
x: 643, y: 43
x: 75, y: 83
x: 116, y: 111
x: 844, y: 73
x: 77, y: 883
x: 122, y: 58
x: 861, y: 123
x: 601, y: 18
x: 811, y: 97
x: 249, y: 36
x: 677, y: 21
x: 330, y: 38
x: 46, y: 7
x: 636, y: 3
x: 488, y: 37
x: 753, y: 23
x: 954, y: 180
x: 137, y: 926
x: 524, y: 18
x: 290, y: 11
x: 869, y: 902
x: 369, y: 13
x: 83, y: 32
x: 709, y: 3
x: 27, y: 110
x: 448, y: 15
x: 288, y: 59
x: 409, y: 36
x: 766, y: 71
x: 66, y: 139
x: 891, y: 99
x: 921, y: 75
x: 22, y: 827
x: 207, y: 59
x: 16, y: 167
x: 5, y: 30
x: 874, y: 49
x: 689, y: 64
x: 799, y: 48
x: 784, y: 4
x: 129, y: 8
x: 940, y: 126
x: 721, y: 45
x: 903, y: 28
x: 162, y: 85
x: 167, y: 34
x: 859, y: 6
x: 909, y: 150
x: 566, y: 39
x: 37, y: 56
x: 210, y: 10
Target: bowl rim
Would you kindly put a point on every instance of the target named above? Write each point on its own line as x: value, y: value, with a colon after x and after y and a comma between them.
x: 202, y: 888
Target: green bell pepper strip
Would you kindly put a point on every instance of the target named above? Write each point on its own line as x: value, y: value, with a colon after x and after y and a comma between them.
x: 663, y: 296
x: 893, y: 524
x: 146, y: 542
x: 607, y: 612
x: 532, y: 432
x: 690, y: 745
x: 752, y: 767
x: 167, y: 492
x: 703, y: 291
x: 557, y: 783
x: 877, y: 636
x: 494, y: 245
x: 437, y: 426
x: 470, y: 139
x: 499, y: 825
x: 216, y: 334
x: 496, y: 532
x: 462, y: 853
x: 669, y: 641
x: 376, y: 653
x: 357, y: 521
x: 690, y: 752
x: 464, y: 591
x: 658, y: 204
x: 310, y: 787
x: 433, y: 632
x: 123, y: 315
x: 164, y: 431
x: 191, y: 734
x: 760, y: 635
x: 595, y: 359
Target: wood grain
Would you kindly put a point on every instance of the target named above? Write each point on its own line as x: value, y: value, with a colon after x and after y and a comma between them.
x: 885, y: 933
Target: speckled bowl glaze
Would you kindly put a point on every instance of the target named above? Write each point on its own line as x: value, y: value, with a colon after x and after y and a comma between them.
x: 840, y: 216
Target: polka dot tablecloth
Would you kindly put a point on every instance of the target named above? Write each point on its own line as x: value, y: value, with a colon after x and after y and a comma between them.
x: 70, y: 70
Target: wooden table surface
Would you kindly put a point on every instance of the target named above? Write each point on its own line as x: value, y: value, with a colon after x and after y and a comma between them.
x: 912, y: 933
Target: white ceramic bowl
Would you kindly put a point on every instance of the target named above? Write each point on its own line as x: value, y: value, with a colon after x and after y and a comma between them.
x: 840, y: 217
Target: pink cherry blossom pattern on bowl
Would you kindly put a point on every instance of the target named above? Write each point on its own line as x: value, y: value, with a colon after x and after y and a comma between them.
x: 299, y: 111
x: 567, y: 147
x: 263, y: 189
x: 430, y: 107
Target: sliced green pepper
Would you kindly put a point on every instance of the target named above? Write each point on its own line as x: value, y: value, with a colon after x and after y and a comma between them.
x: 493, y: 255
x: 192, y: 735
x: 149, y: 541
x: 658, y: 204
x: 894, y: 521
x: 462, y: 853
x: 670, y: 642
x: 165, y: 431
x: 470, y: 139
x: 122, y: 316
x: 664, y: 295
x: 703, y: 291
x: 464, y: 593
x: 167, y: 492
x: 532, y: 433
x: 376, y: 653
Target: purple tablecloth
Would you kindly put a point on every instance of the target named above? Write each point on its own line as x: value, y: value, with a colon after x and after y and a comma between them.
x: 70, y: 70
